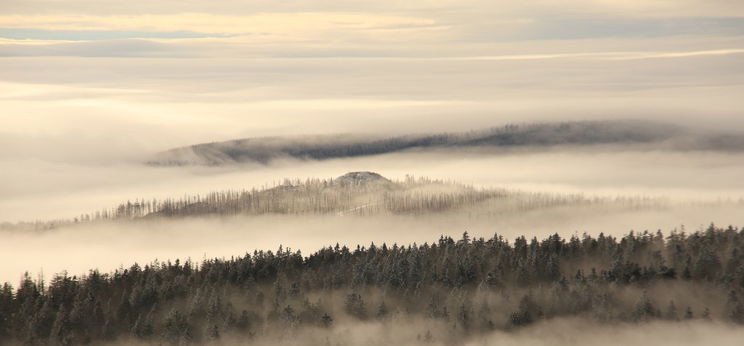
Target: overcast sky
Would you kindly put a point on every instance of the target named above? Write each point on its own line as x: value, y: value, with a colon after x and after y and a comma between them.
x: 85, y: 83
x: 148, y: 75
x: 89, y: 89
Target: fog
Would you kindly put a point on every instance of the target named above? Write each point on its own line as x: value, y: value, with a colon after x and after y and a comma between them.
x: 77, y: 127
x: 93, y: 109
x: 92, y: 93
x: 107, y: 246
x: 578, y: 332
x: 36, y: 189
x: 553, y: 332
x: 560, y: 331
x: 41, y: 190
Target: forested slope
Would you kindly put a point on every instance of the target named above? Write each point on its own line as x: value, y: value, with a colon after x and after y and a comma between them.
x: 450, y: 290
x: 354, y: 193
x: 264, y: 150
x: 625, y: 134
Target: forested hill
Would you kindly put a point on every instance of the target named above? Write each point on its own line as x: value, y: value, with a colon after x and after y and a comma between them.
x: 449, y: 290
x: 354, y: 193
x: 648, y: 135
x: 263, y: 150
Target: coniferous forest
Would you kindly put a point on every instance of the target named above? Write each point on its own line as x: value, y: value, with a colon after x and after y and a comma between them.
x: 576, y: 133
x: 352, y: 194
x: 366, y: 173
x: 454, y: 289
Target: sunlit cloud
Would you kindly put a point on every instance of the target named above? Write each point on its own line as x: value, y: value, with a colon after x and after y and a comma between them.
x: 657, y: 55
x: 287, y: 25
x: 100, y: 81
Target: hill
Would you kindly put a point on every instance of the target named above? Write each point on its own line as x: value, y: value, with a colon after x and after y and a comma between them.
x: 448, y: 291
x: 585, y: 133
x: 354, y: 193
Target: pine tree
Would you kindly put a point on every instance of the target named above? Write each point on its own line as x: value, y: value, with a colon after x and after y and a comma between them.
x: 735, y: 308
x: 327, y: 320
x: 671, y: 312
x: 688, y: 314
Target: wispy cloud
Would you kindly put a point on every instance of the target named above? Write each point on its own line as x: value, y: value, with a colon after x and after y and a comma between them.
x: 93, y: 35
x: 108, y: 78
x: 310, y: 25
x: 661, y: 55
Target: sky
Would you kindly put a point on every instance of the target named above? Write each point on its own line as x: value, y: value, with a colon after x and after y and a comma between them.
x: 89, y: 89
x: 176, y: 72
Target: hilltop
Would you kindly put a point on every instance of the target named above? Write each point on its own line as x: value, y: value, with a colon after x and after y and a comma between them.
x: 355, y: 193
x: 264, y: 150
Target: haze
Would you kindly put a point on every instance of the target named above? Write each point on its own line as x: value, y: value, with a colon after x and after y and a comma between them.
x: 91, y: 91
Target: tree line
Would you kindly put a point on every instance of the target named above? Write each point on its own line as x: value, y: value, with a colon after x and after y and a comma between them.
x: 341, y: 196
x: 264, y: 150
x: 455, y: 288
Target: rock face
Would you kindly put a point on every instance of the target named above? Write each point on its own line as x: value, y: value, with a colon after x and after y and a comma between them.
x: 360, y: 178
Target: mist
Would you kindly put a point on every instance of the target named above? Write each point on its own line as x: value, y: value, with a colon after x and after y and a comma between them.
x: 554, y: 332
x: 39, y: 190
x: 699, y: 188
x: 116, y: 244
x: 561, y: 332
x: 289, y: 299
x: 366, y: 173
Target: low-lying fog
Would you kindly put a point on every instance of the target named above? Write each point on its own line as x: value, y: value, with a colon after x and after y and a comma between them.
x: 580, y: 332
x: 41, y: 190
x: 556, y: 332
x: 107, y: 246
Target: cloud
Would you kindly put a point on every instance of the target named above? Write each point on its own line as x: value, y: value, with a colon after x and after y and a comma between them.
x: 368, y: 21
x: 102, y: 48
x: 201, y: 90
x: 597, y: 55
x: 309, y: 67
x: 280, y: 26
x: 89, y: 35
x: 656, y: 55
x: 657, y: 8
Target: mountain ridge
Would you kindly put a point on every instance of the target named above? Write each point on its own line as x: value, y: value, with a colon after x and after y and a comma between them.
x: 264, y: 150
x: 361, y: 193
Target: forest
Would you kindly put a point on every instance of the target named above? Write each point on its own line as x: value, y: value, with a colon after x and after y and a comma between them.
x: 265, y: 150
x: 366, y: 173
x: 354, y: 193
x: 449, y: 290
x: 625, y: 133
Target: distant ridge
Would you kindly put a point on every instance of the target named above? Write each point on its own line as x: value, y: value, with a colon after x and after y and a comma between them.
x: 361, y: 193
x: 644, y: 134
x: 360, y: 178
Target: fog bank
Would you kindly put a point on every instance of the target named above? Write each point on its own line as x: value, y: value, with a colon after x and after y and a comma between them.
x: 42, y: 190
x: 556, y: 332
x: 107, y: 246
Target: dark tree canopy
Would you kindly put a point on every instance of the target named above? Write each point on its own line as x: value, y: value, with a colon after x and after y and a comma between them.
x: 474, y: 284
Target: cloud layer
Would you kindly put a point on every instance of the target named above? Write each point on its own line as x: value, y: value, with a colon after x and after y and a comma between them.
x: 89, y: 88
